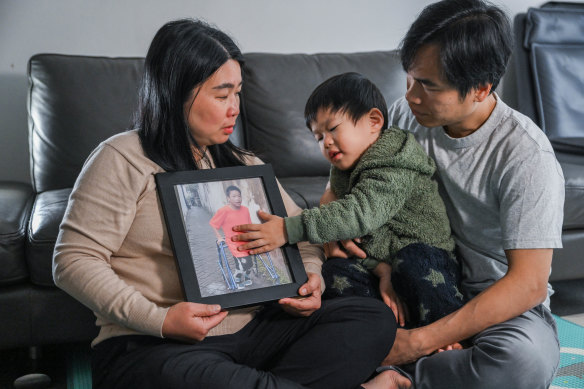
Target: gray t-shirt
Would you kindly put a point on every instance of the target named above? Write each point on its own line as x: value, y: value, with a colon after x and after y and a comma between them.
x: 502, y: 186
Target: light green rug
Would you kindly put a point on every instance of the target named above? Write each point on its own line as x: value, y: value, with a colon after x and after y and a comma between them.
x: 79, y: 367
x: 571, y: 371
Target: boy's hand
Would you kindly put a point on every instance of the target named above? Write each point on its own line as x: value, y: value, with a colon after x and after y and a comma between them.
x: 304, y: 306
x: 262, y: 237
x: 390, y: 298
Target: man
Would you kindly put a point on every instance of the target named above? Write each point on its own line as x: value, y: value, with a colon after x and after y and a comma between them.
x: 504, y: 193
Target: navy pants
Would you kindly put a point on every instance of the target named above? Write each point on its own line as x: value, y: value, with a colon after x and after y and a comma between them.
x: 426, y: 279
x: 338, y: 346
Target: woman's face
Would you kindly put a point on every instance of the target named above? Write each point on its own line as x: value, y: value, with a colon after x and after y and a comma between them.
x: 211, y: 116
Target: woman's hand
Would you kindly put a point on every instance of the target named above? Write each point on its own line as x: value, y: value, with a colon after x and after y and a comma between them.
x: 262, y: 237
x: 191, y: 322
x: 390, y: 298
x: 310, y: 302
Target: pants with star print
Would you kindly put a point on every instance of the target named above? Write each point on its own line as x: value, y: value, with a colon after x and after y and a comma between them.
x: 426, y: 278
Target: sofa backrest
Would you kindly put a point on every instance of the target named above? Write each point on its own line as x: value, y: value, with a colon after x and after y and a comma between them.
x: 275, y: 90
x: 550, y: 80
x: 74, y: 103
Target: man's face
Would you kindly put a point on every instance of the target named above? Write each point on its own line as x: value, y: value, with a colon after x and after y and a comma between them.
x: 433, y: 101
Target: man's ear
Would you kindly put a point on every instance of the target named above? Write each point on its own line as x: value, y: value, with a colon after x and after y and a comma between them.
x: 482, y: 92
x: 376, y: 120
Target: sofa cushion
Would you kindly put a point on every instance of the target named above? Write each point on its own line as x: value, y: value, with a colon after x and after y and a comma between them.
x: 275, y: 90
x: 15, y: 204
x: 573, y: 168
x: 47, y: 214
x: 74, y: 103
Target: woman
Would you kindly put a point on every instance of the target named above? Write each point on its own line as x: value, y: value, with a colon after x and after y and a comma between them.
x: 114, y: 255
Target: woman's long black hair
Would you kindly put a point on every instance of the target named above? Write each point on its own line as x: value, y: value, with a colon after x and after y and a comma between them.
x: 183, y: 54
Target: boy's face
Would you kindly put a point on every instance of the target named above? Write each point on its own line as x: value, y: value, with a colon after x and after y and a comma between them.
x: 343, y: 142
x: 433, y: 101
x: 234, y: 199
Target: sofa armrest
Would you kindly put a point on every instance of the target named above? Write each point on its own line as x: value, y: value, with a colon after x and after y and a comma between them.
x: 15, y: 206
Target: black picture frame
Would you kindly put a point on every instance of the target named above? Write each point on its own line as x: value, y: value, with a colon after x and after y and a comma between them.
x: 208, y: 273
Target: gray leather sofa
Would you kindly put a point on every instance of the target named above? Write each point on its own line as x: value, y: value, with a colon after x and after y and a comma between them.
x: 549, y: 67
x: 75, y: 102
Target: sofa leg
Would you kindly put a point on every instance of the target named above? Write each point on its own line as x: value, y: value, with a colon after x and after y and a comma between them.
x: 33, y: 380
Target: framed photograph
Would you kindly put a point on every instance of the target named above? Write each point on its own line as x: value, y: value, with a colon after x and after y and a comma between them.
x: 200, y: 209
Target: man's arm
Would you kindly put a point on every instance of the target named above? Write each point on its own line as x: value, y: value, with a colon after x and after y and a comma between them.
x: 522, y: 288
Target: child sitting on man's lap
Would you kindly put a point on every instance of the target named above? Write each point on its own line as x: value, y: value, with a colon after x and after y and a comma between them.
x: 382, y: 179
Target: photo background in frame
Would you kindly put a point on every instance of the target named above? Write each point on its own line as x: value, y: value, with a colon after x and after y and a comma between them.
x: 198, y: 203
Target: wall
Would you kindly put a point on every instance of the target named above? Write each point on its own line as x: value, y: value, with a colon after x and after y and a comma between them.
x: 125, y: 28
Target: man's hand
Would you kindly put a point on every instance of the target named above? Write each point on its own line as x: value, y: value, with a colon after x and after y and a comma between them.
x: 350, y: 249
x: 390, y: 298
x: 405, y: 348
x: 523, y: 287
x: 455, y: 346
x: 191, y: 322
x: 262, y: 237
x: 304, y: 306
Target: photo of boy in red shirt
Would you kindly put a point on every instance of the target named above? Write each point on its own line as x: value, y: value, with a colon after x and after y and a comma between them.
x: 225, y: 218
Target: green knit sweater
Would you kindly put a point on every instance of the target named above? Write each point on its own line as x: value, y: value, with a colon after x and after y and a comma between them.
x: 389, y: 199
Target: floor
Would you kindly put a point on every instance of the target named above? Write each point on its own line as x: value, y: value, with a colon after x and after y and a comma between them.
x: 578, y: 319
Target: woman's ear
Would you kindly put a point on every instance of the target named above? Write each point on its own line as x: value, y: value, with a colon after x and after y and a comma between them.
x: 376, y: 120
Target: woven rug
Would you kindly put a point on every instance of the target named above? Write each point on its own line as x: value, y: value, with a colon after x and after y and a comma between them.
x: 571, y: 371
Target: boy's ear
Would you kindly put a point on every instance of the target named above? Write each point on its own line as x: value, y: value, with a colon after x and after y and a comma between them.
x: 376, y: 120
x: 482, y: 92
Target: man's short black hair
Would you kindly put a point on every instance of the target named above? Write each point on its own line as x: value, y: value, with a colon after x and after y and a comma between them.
x: 230, y: 189
x: 349, y: 93
x: 474, y: 38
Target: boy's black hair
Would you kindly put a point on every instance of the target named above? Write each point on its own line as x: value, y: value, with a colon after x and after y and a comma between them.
x: 349, y: 93
x: 230, y: 189
x: 474, y: 38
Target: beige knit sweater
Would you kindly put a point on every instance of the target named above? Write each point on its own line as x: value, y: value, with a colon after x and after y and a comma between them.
x: 113, y: 251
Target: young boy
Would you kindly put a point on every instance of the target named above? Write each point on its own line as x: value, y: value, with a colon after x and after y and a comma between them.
x: 386, y: 195
x: 225, y: 218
